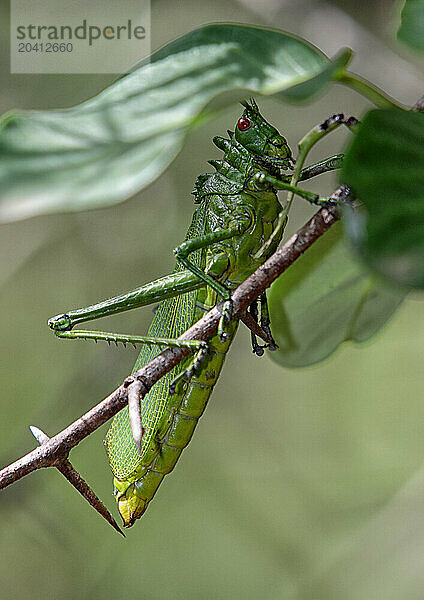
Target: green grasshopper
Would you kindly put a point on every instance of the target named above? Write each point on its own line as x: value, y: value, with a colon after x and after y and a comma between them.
x: 238, y: 224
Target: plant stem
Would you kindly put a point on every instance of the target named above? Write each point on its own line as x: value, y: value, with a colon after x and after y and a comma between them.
x: 367, y: 89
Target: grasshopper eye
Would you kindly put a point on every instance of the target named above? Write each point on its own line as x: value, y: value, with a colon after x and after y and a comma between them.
x: 243, y: 123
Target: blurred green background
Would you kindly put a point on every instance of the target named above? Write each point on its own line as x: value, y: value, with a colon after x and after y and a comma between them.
x: 304, y: 484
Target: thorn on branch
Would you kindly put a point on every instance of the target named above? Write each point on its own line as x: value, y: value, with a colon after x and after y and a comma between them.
x: 136, y: 391
x: 64, y: 466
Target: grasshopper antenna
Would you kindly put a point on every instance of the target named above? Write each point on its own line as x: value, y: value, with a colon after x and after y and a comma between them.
x: 64, y: 466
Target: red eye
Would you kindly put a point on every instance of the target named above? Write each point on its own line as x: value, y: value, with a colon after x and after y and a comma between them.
x: 243, y: 123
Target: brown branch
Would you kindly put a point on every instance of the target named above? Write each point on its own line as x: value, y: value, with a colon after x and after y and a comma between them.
x: 56, y: 449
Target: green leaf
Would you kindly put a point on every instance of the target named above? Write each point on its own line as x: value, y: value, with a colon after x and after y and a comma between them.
x: 106, y: 149
x: 411, y: 30
x: 384, y: 167
x: 324, y: 299
x: 308, y: 89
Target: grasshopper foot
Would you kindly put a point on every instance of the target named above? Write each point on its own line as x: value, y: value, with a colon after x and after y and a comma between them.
x: 227, y: 309
x: 60, y: 323
x: 194, y: 365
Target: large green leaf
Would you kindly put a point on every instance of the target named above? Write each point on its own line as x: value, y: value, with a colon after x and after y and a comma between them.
x: 411, y: 30
x: 106, y: 149
x: 385, y: 168
x: 309, y: 88
x: 324, y: 299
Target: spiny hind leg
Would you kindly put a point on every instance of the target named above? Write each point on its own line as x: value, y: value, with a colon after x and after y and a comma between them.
x: 123, y: 338
x: 200, y: 348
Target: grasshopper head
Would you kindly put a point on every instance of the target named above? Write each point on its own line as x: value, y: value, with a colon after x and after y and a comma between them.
x: 261, y: 138
x: 131, y: 506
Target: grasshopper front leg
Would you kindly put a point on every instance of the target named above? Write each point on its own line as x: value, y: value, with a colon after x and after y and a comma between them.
x: 305, y: 145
